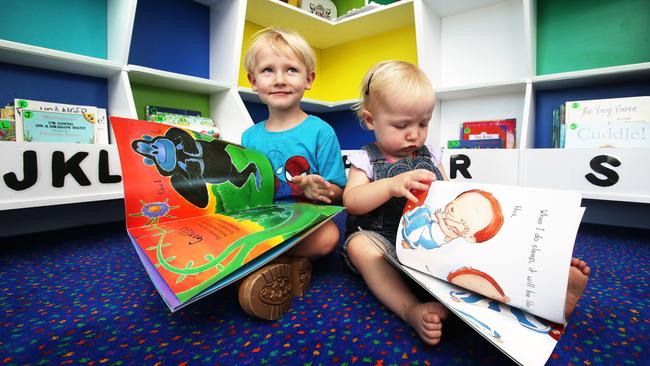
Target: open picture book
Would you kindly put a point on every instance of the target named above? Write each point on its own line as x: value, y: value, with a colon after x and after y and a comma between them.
x: 496, y: 256
x: 200, y: 211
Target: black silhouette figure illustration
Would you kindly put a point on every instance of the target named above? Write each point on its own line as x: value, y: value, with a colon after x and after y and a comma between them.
x: 191, y: 164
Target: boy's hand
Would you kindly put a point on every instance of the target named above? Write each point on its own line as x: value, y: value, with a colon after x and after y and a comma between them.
x: 401, y: 185
x: 315, y: 187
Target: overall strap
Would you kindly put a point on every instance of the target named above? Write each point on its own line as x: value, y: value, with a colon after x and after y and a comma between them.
x: 374, y: 155
x: 423, y: 151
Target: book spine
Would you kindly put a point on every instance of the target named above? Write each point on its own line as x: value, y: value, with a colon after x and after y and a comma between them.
x: 562, y: 124
x: 555, y: 128
x: 152, y: 109
x: 101, y: 127
x: 475, y: 144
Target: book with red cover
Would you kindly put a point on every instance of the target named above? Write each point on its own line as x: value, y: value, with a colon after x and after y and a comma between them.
x: 504, y: 129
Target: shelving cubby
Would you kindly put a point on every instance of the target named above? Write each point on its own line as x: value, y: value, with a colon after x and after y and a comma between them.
x: 487, y: 59
x: 478, y: 57
x: 76, y: 58
x: 345, y: 49
x: 605, y: 54
x: 99, y: 61
x: 183, y: 55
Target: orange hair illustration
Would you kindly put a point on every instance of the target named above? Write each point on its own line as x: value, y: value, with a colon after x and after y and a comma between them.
x: 495, y: 224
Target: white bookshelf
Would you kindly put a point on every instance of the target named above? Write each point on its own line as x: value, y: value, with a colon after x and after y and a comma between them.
x: 42, y: 193
x: 323, y: 33
x: 481, y: 58
x: 568, y: 168
x: 479, y: 54
x: 226, y: 107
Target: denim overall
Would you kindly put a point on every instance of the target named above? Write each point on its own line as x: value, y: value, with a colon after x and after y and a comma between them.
x: 385, y: 219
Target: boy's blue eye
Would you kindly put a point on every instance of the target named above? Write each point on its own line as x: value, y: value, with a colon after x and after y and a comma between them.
x: 268, y: 69
x: 291, y: 69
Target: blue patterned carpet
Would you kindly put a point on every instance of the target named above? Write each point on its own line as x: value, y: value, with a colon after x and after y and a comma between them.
x: 81, y: 297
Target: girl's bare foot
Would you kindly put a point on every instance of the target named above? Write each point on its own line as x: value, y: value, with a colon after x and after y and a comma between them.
x: 578, y: 276
x: 427, y: 319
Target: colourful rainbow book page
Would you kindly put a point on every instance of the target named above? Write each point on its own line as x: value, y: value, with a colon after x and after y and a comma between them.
x: 200, y: 211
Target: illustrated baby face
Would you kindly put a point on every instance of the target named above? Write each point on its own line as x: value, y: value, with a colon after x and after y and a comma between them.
x: 468, y: 214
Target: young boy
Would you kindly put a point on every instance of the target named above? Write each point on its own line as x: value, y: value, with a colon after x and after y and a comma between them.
x: 305, y: 156
x: 397, y: 102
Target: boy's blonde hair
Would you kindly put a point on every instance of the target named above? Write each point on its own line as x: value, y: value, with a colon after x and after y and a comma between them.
x: 282, y: 41
x: 397, y: 82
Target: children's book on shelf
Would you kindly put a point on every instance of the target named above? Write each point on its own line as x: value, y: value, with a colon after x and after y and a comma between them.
x: 39, y: 121
x: 614, y: 122
x: 368, y: 7
x: 320, y: 8
x: 497, y: 256
x: 182, y: 118
x: 558, y: 127
x: 7, y: 112
x: 475, y: 144
x: 504, y: 129
x: 562, y: 128
x: 200, y: 211
x: 555, y: 128
x: 101, y: 127
x: 7, y: 129
x: 154, y: 109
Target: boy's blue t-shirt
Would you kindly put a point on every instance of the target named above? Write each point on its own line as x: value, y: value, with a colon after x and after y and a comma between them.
x: 311, y: 147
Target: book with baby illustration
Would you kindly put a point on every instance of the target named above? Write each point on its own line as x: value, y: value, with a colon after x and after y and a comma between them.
x: 498, y: 256
x: 200, y: 211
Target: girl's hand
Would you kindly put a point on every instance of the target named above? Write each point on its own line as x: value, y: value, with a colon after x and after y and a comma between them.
x: 315, y: 187
x: 401, y: 185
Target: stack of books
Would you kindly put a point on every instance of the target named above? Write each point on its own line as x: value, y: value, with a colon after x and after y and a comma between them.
x: 489, y: 134
x: 614, y: 122
x: 183, y: 118
x: 40, y: 121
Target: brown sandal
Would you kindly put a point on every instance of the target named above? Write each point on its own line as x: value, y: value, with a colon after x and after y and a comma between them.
x: 267, y: 292
x: 299, y: 273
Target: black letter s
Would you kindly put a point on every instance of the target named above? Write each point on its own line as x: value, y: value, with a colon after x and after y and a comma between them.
x: 596, y: 165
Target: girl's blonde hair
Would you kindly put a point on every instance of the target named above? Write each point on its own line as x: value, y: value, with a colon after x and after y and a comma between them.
x: 282, y: 41
x: 396, y: 82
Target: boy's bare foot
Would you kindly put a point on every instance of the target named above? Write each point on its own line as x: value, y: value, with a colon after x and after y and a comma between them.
x: 578, y: 276
x: 427, y: 319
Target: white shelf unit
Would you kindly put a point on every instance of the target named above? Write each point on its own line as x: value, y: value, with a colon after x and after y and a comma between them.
x: 568, y: 169
x: 481, y: 58
x: 322, y: 34
x: 42, y: 193
x: 479, y: 54
x: 226, y: 107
